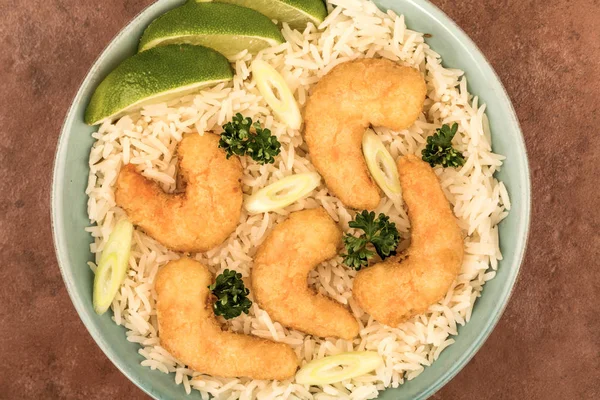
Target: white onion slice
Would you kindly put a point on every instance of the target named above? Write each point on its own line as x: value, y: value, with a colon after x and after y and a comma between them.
x: 282, y: 193
x: 381, y: 164
x: 276, y: 93
x: 112, y: 267
x: 338, y: 368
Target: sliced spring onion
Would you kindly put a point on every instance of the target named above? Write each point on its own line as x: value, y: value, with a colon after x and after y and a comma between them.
x: 112, y: 268
x: 338, y: 368
x: 276, y: 93
x: 282, y: 193
x: 381, y: 164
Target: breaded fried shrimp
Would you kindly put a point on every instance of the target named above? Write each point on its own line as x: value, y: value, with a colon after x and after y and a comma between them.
x: 189, y: 330
x: 280, y: 272
x: 343, y: 104
x: 403, y: 286
x: 201, y: 217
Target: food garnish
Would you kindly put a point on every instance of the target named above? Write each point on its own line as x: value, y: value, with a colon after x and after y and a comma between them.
x: 232, y: 295
x: 296, y: 13
x: 381, y: 164
x: 112, y: 267
x: 338, y: 368
x: 226, y: 28
x: 157, y: 75
x: 238, y: 140
x: 276, y: 93
x: 282, y: 193
x: 380, y: 233
x: 439, y: 148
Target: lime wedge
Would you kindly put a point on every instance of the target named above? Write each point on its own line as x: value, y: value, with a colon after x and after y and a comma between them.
x: 226, y: 28
x: 297, y: 13
x: 154, y: 76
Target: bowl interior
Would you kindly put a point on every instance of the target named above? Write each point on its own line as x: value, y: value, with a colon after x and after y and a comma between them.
x: 69, y: 200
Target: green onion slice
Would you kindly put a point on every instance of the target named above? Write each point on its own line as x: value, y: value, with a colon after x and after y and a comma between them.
x: 112, y: 268
x: 338, y: 368
x: 282, y: 193
x: 276, y: 93
x: 381, y: 164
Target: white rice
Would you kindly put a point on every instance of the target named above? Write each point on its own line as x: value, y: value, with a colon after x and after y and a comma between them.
x: 354, y: 28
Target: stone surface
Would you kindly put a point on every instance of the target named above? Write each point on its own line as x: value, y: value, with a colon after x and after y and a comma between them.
x: 547, y: 345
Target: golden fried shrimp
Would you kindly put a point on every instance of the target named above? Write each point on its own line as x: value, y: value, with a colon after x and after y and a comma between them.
x: 189, y: 330
x: 280, y: 273
x: 343, y: 104
x: 403, y: 286
x: 201, y: 217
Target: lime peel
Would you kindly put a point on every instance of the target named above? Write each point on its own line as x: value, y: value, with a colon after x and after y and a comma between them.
x: 338, y: 368
x: 226, y: 28
x: 282, y: 193
x: 381, y: 164
x: 153, y: 76
x: 112, y: 268
x: 284, y: 104
x: 296, y: 13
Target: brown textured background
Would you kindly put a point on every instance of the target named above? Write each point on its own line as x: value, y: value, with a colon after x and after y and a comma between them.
x: 547, y: 345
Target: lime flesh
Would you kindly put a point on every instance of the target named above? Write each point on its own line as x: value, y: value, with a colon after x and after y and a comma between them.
x: 155, y: 76
x: 296, y: 13
x: 227, y: 28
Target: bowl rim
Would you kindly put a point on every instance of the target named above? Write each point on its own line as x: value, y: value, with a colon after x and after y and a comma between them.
x: 523, y: 227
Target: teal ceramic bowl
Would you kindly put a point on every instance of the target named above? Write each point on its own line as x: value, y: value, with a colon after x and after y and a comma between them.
x: 69, y: 214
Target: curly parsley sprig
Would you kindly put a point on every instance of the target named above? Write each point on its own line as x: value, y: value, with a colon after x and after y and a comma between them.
x: 238, y: 140
x: 380, y: 233
x: 232, y: 295
x: 439, y: 148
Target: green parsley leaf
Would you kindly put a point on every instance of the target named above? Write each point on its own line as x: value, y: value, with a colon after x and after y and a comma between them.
x: 439, y: 148
x: 378, y: 232
x: 231, y: 295
x: 238, y: 140
x: 357, y: 253
x: 236, y: 135
x: 264, y: 147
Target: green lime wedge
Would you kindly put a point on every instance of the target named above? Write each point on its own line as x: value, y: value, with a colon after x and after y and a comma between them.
x: 226, y: 28
x: 297, y: 13
x: 154, y: 76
